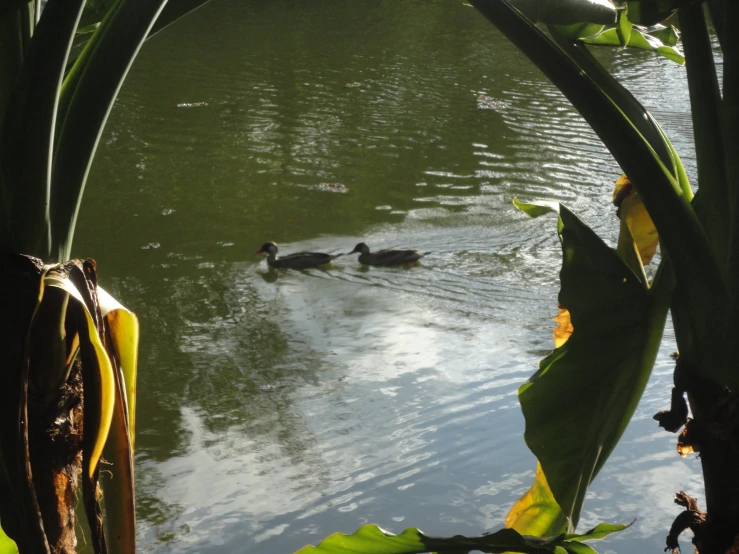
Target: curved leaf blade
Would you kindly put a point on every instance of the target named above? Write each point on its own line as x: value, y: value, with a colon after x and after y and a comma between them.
x: 118, y: 483
x: 579, y: 402
x: 106, y: 393
x: 537, y: 208
x: 636, y: 39
x: 600, y: 531
x: 537, y: 512
x: 124, y: 333
x: 86, y: 99
x: 370, y: 539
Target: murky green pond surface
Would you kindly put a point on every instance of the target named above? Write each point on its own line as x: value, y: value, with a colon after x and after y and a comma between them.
x: 275, y: 409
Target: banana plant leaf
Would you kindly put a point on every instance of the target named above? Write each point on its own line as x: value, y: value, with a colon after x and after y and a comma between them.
x: 537, y: 512
x: 649, y: 12
x: 636, y: 39
x: 370, y: 539
x: 579, y: 402
x: 120, y: 506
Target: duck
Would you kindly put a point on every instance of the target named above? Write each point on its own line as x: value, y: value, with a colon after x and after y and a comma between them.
x: 390, y: 256
x: 297, y: 260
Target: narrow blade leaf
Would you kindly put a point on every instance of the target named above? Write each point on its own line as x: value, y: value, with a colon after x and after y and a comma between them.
x: 86, y: 101
x: 118, y: 483
x: 100, y: 427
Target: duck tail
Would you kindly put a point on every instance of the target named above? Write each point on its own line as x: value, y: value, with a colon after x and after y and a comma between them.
x: 427, y: 253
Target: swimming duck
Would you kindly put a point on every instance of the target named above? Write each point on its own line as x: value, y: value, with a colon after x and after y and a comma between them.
x: 298, y: 260
x: 391, y: 256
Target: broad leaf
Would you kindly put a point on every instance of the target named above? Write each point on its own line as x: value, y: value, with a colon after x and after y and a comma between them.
x: 536, y: 512
x: 668, y: 35
x: 623, y: 29
x: 636, y: 39
x: 537, y: 208
x: 370, y: 539
x: 650, y: 12
x: 600, y: 531
x: 579, y: 402
x: 580, y: 30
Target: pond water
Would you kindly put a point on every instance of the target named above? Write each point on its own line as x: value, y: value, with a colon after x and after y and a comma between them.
x: 276, y: 408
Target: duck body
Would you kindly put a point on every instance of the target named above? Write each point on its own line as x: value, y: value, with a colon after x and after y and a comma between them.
x: 387, y: 257
x: 297, y: 260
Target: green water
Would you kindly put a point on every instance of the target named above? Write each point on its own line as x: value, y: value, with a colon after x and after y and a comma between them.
x: 275, y: 409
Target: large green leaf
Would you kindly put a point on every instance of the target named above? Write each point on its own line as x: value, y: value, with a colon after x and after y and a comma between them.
x: 649, y: 12
x: 636, y: 38
x: 370, y: 539
x: 579, y: 402
x: 537, y: 512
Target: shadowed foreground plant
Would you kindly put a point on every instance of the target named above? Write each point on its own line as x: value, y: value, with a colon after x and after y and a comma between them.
x: 67, y: 392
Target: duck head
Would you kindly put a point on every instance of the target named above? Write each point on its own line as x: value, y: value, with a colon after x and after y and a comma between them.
x: 361, y: 248
x: 268, y: 248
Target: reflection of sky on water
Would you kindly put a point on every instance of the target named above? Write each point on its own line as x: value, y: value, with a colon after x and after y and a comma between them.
x: 396, y: 405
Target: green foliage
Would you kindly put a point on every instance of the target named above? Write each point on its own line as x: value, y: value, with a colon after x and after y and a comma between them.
x: 579, y: 402
x: 635, y: 38
x: 372, y: 539
x: 60, y: 72
x: 68, y: 76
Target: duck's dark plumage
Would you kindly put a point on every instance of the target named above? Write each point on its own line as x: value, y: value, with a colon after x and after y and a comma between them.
x: 387, y: 257
x: 297, y: 260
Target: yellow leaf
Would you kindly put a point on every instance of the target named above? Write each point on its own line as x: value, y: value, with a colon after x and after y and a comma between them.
x: 536, y: 512
x: 563, y: 327
x: 107, y: 383
x: 123, y: 332
x: 631, y: 210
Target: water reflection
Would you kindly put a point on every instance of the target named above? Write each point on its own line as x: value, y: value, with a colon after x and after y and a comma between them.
x: 276, y: 407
